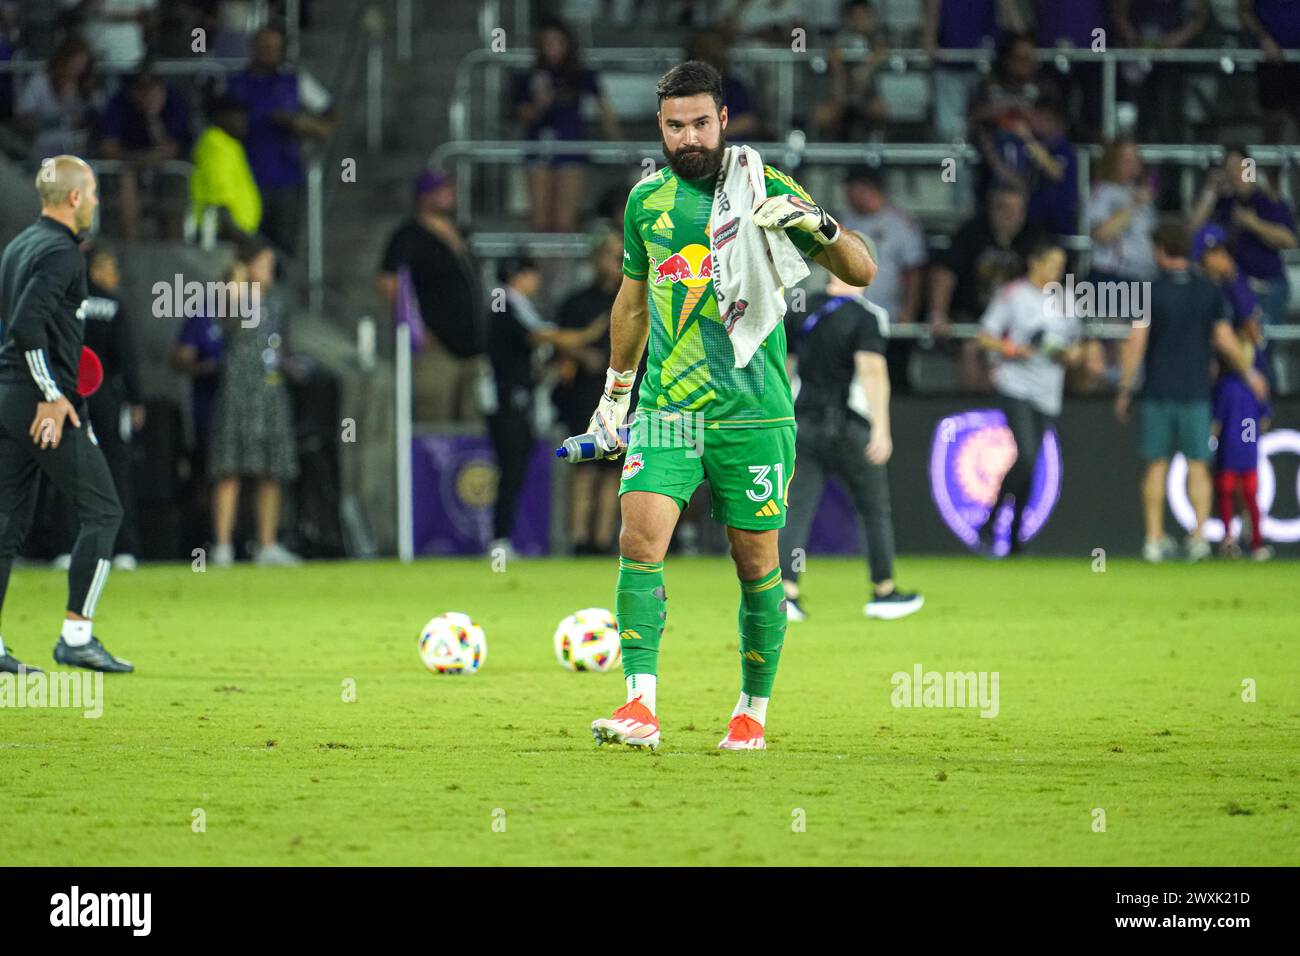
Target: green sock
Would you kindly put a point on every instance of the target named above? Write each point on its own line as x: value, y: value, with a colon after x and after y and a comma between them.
x: 641, y: 607
x: 762, y: 633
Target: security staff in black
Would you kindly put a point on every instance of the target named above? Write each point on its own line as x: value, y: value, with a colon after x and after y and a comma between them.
x: 838, y: 336
x: 44, y: 427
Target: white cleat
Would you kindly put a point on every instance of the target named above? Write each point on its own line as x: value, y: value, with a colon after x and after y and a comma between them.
x: 632, y: 724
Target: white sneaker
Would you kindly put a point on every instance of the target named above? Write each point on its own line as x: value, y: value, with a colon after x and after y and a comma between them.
x: 1156, y: 550
x: 125, y: 562
x: 893, y: 605
x: 222, y: 556
x: 793, y: 612
x: 278, y: 556
x: 61, y: 562
x: 1198, y: 549
x: 1263, y: 553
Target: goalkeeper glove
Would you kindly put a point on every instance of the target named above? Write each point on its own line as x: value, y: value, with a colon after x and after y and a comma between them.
x: 791, y: 212
x: 612, y: 411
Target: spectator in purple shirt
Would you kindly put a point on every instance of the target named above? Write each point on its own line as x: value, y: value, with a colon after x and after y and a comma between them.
x: 1210, y: 249
x: 286, y: 106
x: 961, y: 25
x: 145, y: 125
x: 1003, y: 102
x: 548, y: 101
x: 1034, y: 156
x: 1259, y: 224
x: 1275, y: 24
x: 198, y: 354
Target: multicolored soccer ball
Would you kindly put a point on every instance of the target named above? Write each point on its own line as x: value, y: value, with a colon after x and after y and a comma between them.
x: 587, y: 640
x: 453, y: 644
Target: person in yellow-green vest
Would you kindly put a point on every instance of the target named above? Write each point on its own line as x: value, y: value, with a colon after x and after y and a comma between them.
x: 222, y: 177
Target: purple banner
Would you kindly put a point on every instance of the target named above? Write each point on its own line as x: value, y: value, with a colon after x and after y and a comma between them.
x: 454, y: 486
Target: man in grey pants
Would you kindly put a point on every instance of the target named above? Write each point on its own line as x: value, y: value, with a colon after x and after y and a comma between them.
x: 845, y: 433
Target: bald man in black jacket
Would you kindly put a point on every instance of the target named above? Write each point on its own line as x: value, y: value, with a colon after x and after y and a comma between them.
x: 42, y: 291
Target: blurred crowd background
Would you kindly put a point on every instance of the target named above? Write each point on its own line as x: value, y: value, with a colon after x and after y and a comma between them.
x: 492, y: 145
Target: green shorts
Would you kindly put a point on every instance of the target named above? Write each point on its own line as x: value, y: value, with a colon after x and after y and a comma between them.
x: 1170, y: 425
x: 748, y: 469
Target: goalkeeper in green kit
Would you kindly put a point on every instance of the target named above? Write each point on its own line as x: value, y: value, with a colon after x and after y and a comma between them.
x: 710, y: 243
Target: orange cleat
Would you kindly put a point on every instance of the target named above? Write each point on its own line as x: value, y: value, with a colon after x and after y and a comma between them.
x: 632, y: 724
x: 743, y: 733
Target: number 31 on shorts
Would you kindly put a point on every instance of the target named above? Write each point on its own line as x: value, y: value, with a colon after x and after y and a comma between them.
x: 763, y: 480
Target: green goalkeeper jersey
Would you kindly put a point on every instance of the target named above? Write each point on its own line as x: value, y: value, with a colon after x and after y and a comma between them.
x: 691, y: 364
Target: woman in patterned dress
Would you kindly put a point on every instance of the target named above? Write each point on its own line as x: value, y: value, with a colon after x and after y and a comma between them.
x: 252, y: 431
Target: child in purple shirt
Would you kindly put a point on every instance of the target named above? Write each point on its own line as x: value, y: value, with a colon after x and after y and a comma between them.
x: 1240, y: 418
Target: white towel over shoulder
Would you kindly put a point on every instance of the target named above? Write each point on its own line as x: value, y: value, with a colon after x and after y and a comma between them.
x: 752, y: 266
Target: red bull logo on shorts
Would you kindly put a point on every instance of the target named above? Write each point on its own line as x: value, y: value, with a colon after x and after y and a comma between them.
x: 632, y: 464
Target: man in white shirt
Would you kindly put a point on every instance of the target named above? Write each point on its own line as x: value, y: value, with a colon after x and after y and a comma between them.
x: 901, y: 256
x: 116, y: 29
x: 1033, y: 335
x: 900, y: 243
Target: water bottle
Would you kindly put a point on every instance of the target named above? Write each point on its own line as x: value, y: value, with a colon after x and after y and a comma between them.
x: 586, y: 447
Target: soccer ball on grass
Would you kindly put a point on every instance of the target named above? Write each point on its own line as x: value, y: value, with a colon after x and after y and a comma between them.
x: 588, y: 640
x: 453, y: 643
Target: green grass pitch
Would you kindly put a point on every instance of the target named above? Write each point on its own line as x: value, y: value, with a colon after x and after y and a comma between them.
x: 1119, y: 691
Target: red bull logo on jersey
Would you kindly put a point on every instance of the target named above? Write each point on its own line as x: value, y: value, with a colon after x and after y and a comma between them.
x: 692, y: 266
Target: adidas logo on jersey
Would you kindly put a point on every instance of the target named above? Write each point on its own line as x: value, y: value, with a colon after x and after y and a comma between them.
x: 663, y: 224
x: 769, y: 510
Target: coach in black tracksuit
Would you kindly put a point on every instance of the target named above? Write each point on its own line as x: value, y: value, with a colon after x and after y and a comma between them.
x: 44, y: 425
x: 839, y: 335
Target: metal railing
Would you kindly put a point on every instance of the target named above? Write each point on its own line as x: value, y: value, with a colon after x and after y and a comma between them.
x: 196, y: 66
x: 465, y: 154
x: 791, y: 154
x: 784, y: 62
